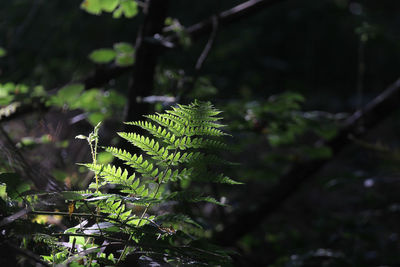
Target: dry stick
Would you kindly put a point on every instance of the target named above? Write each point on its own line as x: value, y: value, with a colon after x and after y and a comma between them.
x: 373, y: 113
x: 14, y: 216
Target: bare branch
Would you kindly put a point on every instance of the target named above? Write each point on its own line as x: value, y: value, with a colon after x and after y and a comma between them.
x: 210, y: 42
x: 226, y: 17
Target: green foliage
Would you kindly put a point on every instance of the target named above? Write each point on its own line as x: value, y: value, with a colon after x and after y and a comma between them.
x: 103, y: 55
x: 122, y: 54
x: 128, y: 8
x: 98, y: 104
x: 13, y: 186
x: 181, y: 147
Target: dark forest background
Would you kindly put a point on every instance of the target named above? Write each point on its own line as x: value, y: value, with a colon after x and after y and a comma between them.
x: 308, y: 90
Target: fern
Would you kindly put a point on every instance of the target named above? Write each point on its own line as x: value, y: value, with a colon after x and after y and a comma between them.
x: 180, y: 148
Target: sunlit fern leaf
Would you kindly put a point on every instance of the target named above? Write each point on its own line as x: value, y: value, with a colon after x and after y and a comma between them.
x: 149, y: 145
x: 179, y: 146
x: 175, y: 128
x: 157, y: 131
x: 113, y: 175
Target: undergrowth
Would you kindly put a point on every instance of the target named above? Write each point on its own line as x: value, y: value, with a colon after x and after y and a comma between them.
x: 135, y: 214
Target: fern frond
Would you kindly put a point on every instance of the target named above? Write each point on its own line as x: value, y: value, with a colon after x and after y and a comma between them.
x: 176, y: 175
x: 176, y: 128
x: 203, y: 130
x: 149, y: 145
x: 114, y: 175
x: 198, y: 111
x: 156, y: 131
x: 142, y: 166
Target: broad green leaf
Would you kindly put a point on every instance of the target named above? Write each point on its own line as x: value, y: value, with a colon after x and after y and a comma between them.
x: 129, y: 7
x: 104, y: 158
x: 108, y: 5
x: 117, y: 13
x: 79, y: 240
x: 102, y: 56
x: 97, y: 227
x: 92, y: 6
x: 15, y: 185
x: 21, y: 89
x: 72, y: 264
x: 96, y: 117
x: 125, y: 53
x: 125, y: 60
x: 123, y: 47
x: 70, y: 93
x: 38, y: 91
x: 6, y: 99
x: 115, y: 98
x: 3, y: 193
x: 90, y: 100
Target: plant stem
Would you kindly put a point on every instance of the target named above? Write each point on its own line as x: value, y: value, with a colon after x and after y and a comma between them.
x: 160, y: 181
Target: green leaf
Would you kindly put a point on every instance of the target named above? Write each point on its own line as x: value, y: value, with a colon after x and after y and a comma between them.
x: 15, y: 186
x: 123, y: 47
x: 102, y: 56
x: 3, y: 193
x: 117, y: 13
x: 90, y: 100
x: 124, y: 60
x: 68, y: 94
x: 129, y: 8
x: 72, y: 264
x: 125, y: 52
x: 104, y: 158
x: 92, y: 6
x: 96, y: 117
x: 39, y: 91
x: 109, y: 5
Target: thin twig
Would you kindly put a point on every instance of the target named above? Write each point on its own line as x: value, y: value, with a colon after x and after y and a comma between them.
x: 203, y: 56
x: 210, y: 42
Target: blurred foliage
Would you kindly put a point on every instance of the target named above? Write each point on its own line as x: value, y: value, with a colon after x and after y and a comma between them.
x: 122, y: 53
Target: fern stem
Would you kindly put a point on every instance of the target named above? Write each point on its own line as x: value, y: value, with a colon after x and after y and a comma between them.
x: 160, y: 181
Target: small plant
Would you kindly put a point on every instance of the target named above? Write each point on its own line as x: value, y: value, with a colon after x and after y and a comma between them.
x: 139, y: 220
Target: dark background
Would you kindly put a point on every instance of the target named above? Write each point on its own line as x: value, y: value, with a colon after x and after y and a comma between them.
x: 338, y: 54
